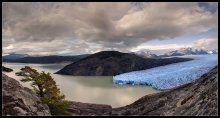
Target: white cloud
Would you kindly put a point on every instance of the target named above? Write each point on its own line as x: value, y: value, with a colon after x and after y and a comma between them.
x: 9, y: 47
x: 160, y: 47
x: 207, y: 43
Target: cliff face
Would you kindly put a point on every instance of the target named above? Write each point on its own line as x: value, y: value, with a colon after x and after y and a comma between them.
x: 19, y: 100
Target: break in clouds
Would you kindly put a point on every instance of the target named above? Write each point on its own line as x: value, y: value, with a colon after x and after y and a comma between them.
x: 76, y: 28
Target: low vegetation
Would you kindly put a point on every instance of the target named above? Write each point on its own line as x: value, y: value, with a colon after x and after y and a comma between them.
x: 45, y: 87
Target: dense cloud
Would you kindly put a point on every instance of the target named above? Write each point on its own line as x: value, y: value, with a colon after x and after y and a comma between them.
x: 39, y: 27
x: 209, y: 43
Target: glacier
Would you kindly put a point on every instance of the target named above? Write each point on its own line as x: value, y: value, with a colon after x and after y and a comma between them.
x: 172, y: 75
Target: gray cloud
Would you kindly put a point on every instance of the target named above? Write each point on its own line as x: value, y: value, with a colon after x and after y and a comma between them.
x: 119, y: 26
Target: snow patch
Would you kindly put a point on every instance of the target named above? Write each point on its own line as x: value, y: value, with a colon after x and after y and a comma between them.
x: 172, y: 75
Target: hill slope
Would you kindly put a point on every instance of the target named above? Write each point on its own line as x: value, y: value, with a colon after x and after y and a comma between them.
x: 109, y: 63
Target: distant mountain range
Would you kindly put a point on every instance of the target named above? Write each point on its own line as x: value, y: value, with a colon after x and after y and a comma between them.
x: 188, y: 51
x: 24, y: 58
x: 146, y: 54
x: 14, y: 56
x: 213, y: 52
x: 183, y: 51
x: 110, y: 63
x: 19, y: 58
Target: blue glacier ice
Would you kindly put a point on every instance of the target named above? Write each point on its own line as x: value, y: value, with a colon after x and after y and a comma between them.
x: 172, y: 75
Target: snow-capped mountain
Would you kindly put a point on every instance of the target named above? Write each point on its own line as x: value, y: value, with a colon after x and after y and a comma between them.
x: 213, y: 52
x: 186, y: 51
x: 146, y: 54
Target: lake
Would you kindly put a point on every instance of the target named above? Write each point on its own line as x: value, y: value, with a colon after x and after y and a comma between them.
x: 87, y: 89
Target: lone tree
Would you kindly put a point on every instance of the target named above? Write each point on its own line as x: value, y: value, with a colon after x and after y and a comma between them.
x: 46, y: 88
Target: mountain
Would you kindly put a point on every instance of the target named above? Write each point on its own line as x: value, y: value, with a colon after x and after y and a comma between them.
x: 46, y: 59
x: 200, y: 51
x: 146, y: 54
x: 14, y: 56
x: 110, y: 63
x: 185, y: 51
x: 213, y: 52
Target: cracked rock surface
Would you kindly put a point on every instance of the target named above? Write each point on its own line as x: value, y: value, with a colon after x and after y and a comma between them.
x: 21, y: 101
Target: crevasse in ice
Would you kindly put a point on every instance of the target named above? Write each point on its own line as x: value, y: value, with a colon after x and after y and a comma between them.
x: 172, y: 75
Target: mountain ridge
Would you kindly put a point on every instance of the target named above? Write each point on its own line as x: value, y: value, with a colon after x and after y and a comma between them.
x: 45, y: 59
x: 108, y: 63
x: 188, y: 51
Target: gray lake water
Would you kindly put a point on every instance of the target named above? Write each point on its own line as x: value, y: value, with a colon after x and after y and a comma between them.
x: 87, y: 89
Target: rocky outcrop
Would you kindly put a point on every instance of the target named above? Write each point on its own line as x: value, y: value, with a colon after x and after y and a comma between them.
x: 196, y: 98
x: 21, y: 101
x: 111, y: 63
x: 5, y: 69
x: 79, y: 108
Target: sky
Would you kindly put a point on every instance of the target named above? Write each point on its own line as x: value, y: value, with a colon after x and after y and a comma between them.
x: 82, y: 28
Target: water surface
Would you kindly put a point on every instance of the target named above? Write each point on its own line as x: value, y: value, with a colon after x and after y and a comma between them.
x: 87, y: 89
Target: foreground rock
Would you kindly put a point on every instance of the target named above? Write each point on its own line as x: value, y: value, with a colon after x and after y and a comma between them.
x: 6, y: 69
x: 79, y: 108
x: 196, y: 98
x: 21, y: 101
x: 110, y: 63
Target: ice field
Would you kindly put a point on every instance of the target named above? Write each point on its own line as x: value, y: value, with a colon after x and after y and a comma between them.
x: 172, y: 75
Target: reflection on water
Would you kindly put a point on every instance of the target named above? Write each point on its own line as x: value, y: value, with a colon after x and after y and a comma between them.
x: 90, y: 89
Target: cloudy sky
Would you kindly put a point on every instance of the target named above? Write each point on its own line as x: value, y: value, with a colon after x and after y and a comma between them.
x: 79, y: 28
